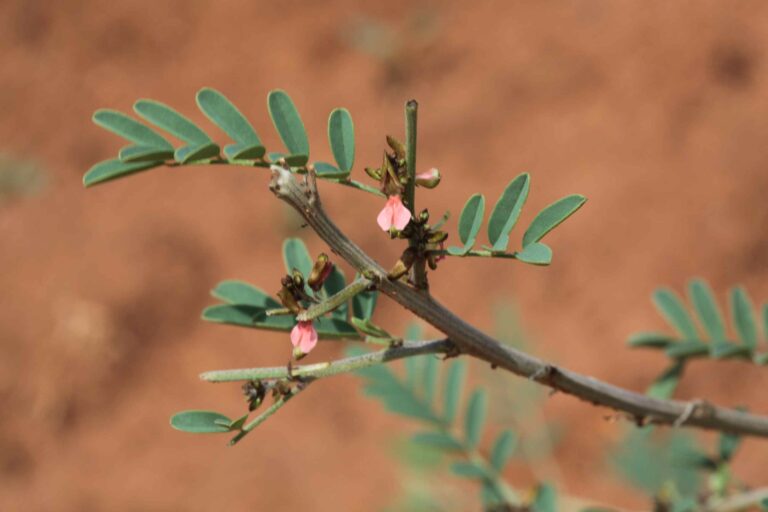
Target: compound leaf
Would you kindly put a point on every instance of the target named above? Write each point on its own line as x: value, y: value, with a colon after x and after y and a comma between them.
x: 671, y: 308
x: 114, y: 169
x: 238, y: 292
x: 469, y: 224
x: 706, y: 308
x: 287, y: 122
x: 341, y: 136
x: 474, y: 418
x: 743, y: 319
x: 502, y: 449
x: 507, y: 211
x: 535, y: 254
x: 165, y: 117
x: 130, y: 129
x: 226, y: 116
x: 551, y: 217
x: 201, y: 422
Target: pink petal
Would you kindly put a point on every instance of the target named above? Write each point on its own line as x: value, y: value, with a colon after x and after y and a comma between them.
x: 385, y: 216
x: 401, y: 216
x: 426, y: 175
x: 309, y: 339
x: 296, y: 334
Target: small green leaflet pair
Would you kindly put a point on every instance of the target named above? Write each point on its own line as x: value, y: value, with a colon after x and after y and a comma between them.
x: 711, y: 339
x: 505, y: 215
x: 245, y: 305
x: 416, y: 396
x: 150, y: 149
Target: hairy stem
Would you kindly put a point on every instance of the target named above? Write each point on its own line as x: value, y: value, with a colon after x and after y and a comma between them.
x: 642, y: 408
x: 334, y: 301
x: 320, y: 370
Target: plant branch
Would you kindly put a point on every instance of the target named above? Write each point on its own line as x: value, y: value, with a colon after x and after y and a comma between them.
x: 328, y: 369
x: 642, y: 408
x: 738, y: 501
x: 261, y: 418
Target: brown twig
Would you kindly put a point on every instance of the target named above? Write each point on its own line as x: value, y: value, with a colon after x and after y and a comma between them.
x: 478, y: 344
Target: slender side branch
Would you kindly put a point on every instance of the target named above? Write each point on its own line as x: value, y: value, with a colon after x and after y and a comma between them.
x: 261, y: 418
x: 334, y: 301
x: 320, y: 370
x: 468, y: 339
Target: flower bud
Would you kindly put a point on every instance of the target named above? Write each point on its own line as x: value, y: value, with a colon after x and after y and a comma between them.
x: 428, y: 179
x: 403, y: 265
x: 254, y: 392
x: 288, y: 299
x: 374, y: 173
x: 320, y: 272
x: 298, y: 279
x: 424, y: 216
x: 436, y: 237
x: 397, y: 147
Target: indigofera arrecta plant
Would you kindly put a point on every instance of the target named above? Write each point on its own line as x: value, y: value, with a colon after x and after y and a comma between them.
x: 316, y: 303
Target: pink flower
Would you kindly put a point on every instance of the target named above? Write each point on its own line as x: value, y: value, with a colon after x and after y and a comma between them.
x: 394, y: 214
x: 303, y: 338
x: 428, y: 179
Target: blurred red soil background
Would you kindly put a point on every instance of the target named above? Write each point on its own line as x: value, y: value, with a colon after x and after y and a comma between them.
x: 656, y: 111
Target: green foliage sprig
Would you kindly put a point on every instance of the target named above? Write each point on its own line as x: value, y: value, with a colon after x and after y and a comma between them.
x: 707, y: 335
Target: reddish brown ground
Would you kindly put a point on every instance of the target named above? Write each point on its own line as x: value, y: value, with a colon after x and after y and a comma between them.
x: 654, y: 110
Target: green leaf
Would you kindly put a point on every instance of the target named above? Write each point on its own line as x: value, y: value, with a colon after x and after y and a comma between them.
x: 665, y: 384
x: 193, y: 153
x: 296, y: 256
x: 765, y: 320
x: 328, y: 171
x: 287, y: 122
x: 255, y: 318
x: 761, y: 359
x: 535, y: 253
x: 244, y: 152
x: 429, y: 378
x: 727, y: 445
x: 201, y: 422
x: 439, y: 440
x: 502, y: 449
x: 145, y: 154
x: 364, y: 304
x: 454, y: 384
x: 239, y: 292
x: 671, y: 308
x: 341, y: 136
x: 165, y: 117
x: 686, y: 349
x: 126, y: 127
x: 333, y: 284
x: 296, y: 160
x: 114, y: 169
x: 238, y: 423
x: 706, y: 308
x: 474, y: 418
x: 468, y: 470
x: 743, y: 319
x: 506, y: 212
x: 412, y: 371
x: 545, y: 499
x: 366, y: 327
x: 394, y: 394
x: 551, y: 217
x: 226, y: 116
x: 650, y: 340
x: 728, y: 350
x: 469, y: 224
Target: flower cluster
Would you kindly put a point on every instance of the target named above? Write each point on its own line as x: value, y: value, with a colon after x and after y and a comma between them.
x: 392, y: 178
x: 294, y: 297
